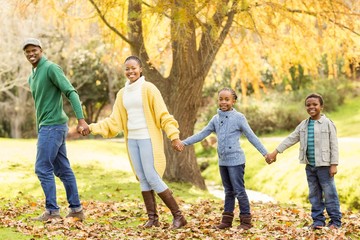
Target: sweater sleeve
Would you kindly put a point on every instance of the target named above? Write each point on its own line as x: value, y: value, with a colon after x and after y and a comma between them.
x: 76, y: 104
x: 112, y: 125
x: 163, y: 118
x: 251, y: 136
x: 59, y: 79
x: 206, y: 131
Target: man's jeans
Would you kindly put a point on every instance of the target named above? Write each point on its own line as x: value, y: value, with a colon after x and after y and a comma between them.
x: 323, y: 194
x: 51, y: 159
x: 142, y: 158
x: 234, y: 186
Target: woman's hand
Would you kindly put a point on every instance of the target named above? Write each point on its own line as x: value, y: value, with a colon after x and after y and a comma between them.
x: 177, y: 145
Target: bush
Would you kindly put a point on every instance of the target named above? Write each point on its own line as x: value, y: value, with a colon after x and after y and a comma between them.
x: 268, y: 117
x: 333, y: 91
x: 261, y: 121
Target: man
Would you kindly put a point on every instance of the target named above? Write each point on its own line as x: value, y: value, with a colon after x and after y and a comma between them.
x: 47, y: 83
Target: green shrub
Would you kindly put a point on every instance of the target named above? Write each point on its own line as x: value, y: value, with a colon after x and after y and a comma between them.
x: 272, y: 115
x: 333, y: 91
x: 261, y: 121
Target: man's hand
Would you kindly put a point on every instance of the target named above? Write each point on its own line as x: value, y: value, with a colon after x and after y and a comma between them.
x: 83, y: 127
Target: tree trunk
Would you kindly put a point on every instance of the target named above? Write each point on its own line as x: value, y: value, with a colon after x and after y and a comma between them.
x: 181, y: 167
x: 184, y: 106
x: 16, y: 127
x: 18, y: 111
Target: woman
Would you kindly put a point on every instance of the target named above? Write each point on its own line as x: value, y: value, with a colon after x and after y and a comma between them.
x: 140, y: 112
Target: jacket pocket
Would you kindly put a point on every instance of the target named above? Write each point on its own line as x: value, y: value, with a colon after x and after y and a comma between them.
x: 325, y: 139
x: 325, y: 155
x: 302, y: 154
x: 303, y: 135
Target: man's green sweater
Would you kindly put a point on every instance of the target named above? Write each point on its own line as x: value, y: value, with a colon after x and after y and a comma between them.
x: 47, y: 83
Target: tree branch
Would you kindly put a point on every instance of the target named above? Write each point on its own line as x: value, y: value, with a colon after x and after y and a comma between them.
x: 209, y: 46
x: 103, y: 18
x: 136, y: 37
x: 324, y: 13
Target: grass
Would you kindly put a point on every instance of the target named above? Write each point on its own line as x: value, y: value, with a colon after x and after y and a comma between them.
x: 103, y: 175
x: 11, y: 234
x: 347, y: 118
x: 92, y: 160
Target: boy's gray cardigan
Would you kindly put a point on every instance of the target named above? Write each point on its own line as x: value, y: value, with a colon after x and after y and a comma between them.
x: 229, y: 126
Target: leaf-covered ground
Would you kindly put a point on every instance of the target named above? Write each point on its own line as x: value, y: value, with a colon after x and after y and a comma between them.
x: 120, y: 220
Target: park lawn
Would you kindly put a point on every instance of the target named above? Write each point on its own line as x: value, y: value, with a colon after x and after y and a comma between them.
x: 285, y: 180
x: 104, y: 178
x: 112, y: 199
x: 347, y: 118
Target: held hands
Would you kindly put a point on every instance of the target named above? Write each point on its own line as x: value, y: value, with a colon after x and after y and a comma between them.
x: 271, y: 157
x: 177, y: 145
x: 82, y: 127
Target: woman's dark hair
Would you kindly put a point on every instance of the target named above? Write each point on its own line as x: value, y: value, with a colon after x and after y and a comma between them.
x: 134, y: 58
x: 233, y: 93
x: 315, y: 95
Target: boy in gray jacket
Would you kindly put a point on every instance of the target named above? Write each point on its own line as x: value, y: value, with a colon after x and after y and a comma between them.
x: 319, y: 151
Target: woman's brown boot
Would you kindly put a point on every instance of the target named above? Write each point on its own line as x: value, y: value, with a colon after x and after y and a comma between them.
x: 150, y: 205
x: 170, y: 202
x: 226, y: 220
x: 245, y: 222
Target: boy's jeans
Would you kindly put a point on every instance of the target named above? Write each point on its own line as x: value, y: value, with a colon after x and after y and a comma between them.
x: 323, y: 194
x: 234, y: 186
x: 51, y: 159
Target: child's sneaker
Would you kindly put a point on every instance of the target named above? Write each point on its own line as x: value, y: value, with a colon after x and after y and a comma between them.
x: 78, y: 215
x: 47, y: 215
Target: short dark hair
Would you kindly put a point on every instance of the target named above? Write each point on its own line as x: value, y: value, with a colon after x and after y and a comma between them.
x: 233, y: 93
x: 315, y: 95
x: 134, y: 58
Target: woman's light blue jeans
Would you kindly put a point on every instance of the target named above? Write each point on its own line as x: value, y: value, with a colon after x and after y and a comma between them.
x: 142, y: 158
x: 234, y: 187
x: 323, y: 195
x: 51, y: 159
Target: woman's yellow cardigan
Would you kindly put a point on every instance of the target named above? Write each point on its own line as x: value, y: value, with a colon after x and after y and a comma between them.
x: 157, y: 118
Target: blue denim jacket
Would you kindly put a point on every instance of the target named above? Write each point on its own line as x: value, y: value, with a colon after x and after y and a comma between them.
x: 229, y: 126
x: 326, y: 143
